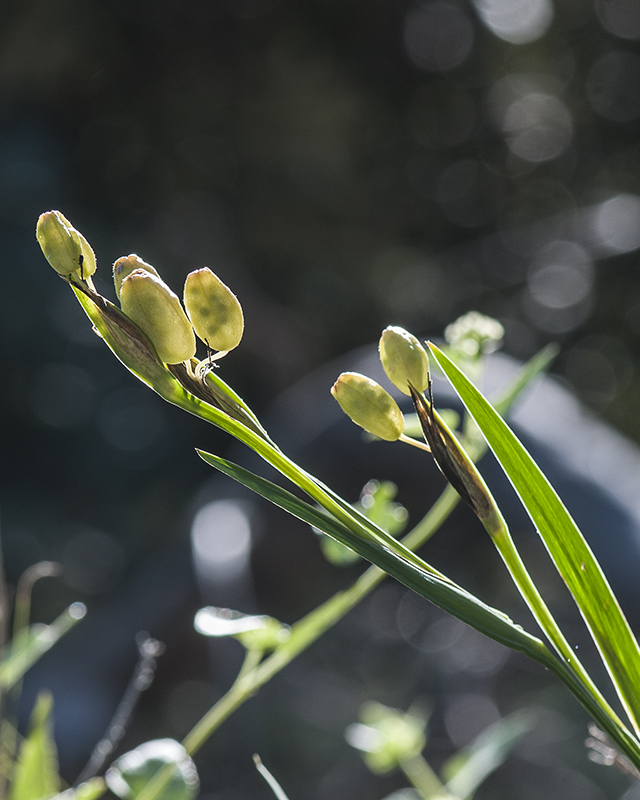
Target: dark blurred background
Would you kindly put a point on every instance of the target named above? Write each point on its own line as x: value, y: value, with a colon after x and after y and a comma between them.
x: 342, y: 166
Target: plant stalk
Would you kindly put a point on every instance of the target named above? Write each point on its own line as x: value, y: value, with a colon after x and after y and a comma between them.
x: 424, y: 780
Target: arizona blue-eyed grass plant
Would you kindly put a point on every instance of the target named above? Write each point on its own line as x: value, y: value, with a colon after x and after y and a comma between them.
x: 152, y: 337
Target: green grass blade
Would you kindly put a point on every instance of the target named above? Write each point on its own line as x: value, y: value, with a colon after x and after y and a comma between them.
x: 469, y: 767
x: 282, y: 498
x: 565, y: 543
x: 538, y: 363
x: 426, y: 581
x: 36, y: 642
x: 36, y: 773
x: 436, y: 588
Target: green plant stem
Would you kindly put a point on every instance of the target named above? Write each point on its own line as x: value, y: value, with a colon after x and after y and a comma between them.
x: 24, y: 589
x: 326, y: 616
x: 454, y: 459
x: 569, y: 550
x: 618, y: 733
x: 424, y: 779
x: 251, y: 660
x: 414, y: 442
x: 532, y: 597
x: 273, y: 784
x: 303, y: 634
x: 311, y: 627
x: 317, y: 622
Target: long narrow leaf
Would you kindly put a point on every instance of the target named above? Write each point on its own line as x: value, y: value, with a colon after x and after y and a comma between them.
x: 469, y: 767
x: 537, y: 364
x: 35, y: 644
x: 36, y: 773
x: 439, y: 590
x: 565, y: 543
x: 426, y: 582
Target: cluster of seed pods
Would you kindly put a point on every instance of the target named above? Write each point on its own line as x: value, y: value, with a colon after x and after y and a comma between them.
x: 213, y: 312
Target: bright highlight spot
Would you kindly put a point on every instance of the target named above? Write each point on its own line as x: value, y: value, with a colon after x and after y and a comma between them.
x: 620, y: 17
x: 616, y: 223
x: 221, y: 539
x: 211, y: 621
x: 538, y: 127
x: 561, y: 275
x: 516, y: 21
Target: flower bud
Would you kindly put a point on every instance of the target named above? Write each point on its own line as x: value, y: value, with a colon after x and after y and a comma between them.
x: 404, y: 359
x: 124, y: 266
x: 63, y: 246
x: 213, y: 309
x: 156, y: 310
x: 455, y: 464
x: 369, y: 405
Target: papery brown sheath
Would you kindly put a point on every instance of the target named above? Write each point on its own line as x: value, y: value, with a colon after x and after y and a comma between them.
x: 453, y: 462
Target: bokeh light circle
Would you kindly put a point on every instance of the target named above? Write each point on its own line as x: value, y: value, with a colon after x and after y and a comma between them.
x: 516, y: 21
x: 538, y: 127
x: 620, y: 17
x: 438, y: 36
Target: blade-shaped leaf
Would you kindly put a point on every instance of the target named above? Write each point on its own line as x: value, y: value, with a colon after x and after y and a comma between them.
x: 565, y: 543
x: 36, y: 772
x: 537, y: 364
x: 426, y: 581
x: 468, y: 768
x: 35, y: 642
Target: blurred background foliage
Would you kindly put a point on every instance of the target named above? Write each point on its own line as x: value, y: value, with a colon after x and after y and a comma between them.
x: 342, y: 165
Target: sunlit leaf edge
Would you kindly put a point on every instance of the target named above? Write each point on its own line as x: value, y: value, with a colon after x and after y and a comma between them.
x: 564, y: 541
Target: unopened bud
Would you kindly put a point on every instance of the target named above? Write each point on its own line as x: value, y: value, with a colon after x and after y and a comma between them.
x: 455, y: 464
x: 156, y: 310
x: 369, y: 405
x: 213, y: 309
x: 125, y: 266
x: 404, y: 359
x: 63, y: 246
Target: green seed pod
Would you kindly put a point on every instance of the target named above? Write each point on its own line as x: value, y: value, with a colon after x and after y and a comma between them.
x: 369, y: 405
x: 125, y: 266
x: 63, y: 246
x: 156, y: 310
x: 404, y: 359
x: 213, y: 309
